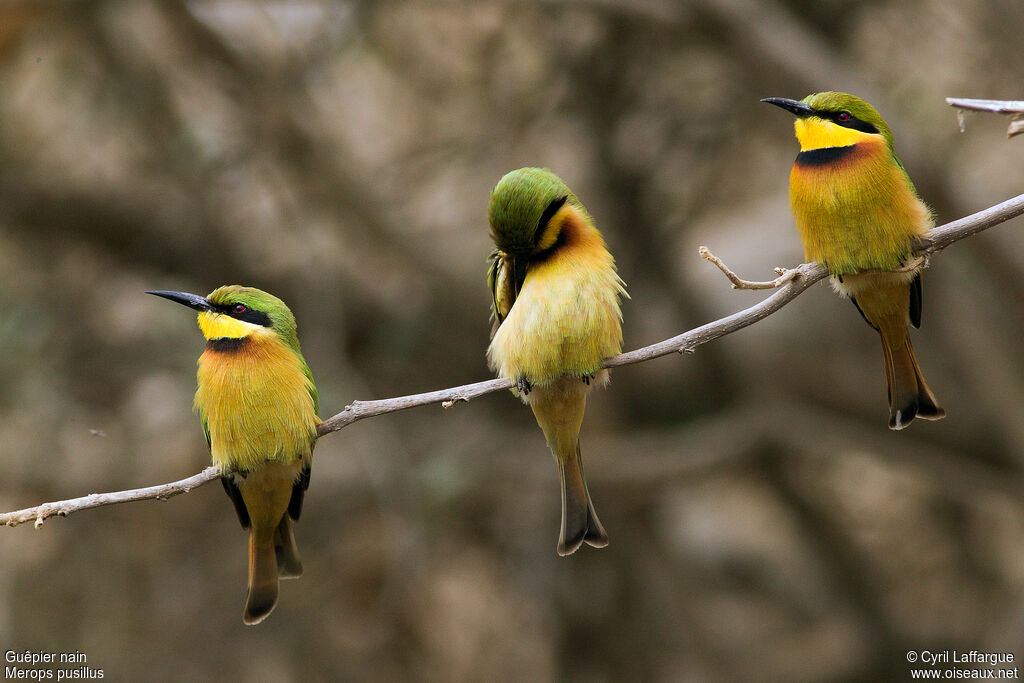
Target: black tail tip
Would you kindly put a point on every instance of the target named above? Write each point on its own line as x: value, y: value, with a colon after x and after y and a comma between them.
x: 593, y: 539
x: 596, y: 541
x: 596, y: 536
x: 251, y: 616
x: 901, y: 418
x: 259, y: 605
x: 930, y: 412
x: 592, y: 533
x: 567, y: 547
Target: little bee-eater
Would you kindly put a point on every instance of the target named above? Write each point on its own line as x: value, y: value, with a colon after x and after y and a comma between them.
x: 858, y: 214
x: 258, y: 406
x: 555, y: 295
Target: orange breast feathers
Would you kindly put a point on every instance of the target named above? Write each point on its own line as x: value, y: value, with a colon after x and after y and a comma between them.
x: 854, y: 208
x: 256, y: 404
x: 566, y: 319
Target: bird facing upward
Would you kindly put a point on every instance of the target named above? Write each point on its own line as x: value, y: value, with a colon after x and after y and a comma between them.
x: 555, y: 296
x: 258, y: 406
x: 858, y: 213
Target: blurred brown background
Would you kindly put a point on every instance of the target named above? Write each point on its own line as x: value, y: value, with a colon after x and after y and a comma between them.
x: 765, y: 524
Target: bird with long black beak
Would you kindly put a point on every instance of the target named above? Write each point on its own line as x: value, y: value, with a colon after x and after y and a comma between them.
x: 258, y: 406
x: 858, y: 213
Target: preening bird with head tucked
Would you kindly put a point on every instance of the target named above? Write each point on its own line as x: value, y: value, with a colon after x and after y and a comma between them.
x: 258, y: 406
x: 555, y: 307
x: 858, y: 214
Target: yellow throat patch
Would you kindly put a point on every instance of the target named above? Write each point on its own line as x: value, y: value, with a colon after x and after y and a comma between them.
x: 220, y: 326
x: 815, y: 133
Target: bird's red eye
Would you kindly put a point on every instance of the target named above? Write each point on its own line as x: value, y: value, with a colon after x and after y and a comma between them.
x: 843, y: 116
x: 239, y: 308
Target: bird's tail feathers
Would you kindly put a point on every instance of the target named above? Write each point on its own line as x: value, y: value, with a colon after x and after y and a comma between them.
x: 263, y: 583
x: 559, y: 411
x: 289, y: 566
x: 909, y: 395
x: 579, y: 519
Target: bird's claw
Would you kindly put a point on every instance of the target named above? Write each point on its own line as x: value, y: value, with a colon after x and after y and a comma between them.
x: 523, y: 385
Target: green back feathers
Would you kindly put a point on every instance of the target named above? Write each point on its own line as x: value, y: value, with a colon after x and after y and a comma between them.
x: 519, y: 204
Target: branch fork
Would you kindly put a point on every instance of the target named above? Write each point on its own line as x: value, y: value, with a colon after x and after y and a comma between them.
x: 1014, y: 108
x: 785, y: 274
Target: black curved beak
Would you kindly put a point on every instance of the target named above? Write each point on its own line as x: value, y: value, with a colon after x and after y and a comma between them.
x: 200, y: 303
x: 798, y: 109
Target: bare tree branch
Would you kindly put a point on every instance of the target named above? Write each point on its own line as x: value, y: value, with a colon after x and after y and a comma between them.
x: 784, y: 275
x: 64, y: 508
x: 790, y: 284
x: 357, y: 410
x: 1014, y: 107
x: 968, y: 226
